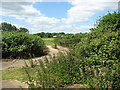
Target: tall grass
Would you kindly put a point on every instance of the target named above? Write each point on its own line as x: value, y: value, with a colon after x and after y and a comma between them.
x: 94, y: 61
x: 66, y: 69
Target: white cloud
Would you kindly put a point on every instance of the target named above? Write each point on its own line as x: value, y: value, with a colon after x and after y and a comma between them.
x: 83, y: 28
x: 18, y: 26
x: 75, y: 2
x: 42, y: 20
x: 21, y: 0
x: 20, y: 10
x: 41, y: 28
x: 82, y: 10
x: 71, y: 29
x: 26, y: 11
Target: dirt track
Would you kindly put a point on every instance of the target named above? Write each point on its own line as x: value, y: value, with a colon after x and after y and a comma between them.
x: 20, y: 63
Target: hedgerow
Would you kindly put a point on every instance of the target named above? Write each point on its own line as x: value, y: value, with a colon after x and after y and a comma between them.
x: 21, y: 45
x: 93, y: 61
x: 101, y: 49
x: 70, y: 40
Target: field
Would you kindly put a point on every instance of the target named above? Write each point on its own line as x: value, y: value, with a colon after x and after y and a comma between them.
x: 48, y: 41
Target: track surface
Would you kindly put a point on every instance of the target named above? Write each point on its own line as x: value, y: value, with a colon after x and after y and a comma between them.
x: 18, y: 63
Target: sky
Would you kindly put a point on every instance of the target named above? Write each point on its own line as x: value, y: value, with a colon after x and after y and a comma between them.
x: 69, y: 16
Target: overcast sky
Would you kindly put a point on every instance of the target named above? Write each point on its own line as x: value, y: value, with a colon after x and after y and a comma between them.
x: 69, y: 16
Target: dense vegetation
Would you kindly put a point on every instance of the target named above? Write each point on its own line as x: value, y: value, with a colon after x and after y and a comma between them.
x: 70, y: 40
x: 93, y: 61
x: 101, y: 49
x: 21, y: 45
x: 50, y: 35
x: 9, y: 27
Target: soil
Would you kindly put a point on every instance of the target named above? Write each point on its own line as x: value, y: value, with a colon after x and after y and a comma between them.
x: 13, y: 84
x: 18, y: 63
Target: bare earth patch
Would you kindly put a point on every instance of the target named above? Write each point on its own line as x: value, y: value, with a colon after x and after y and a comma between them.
x: 19, y: 63
x: 13, y: 84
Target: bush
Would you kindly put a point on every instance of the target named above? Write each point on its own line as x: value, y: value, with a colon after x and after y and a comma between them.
x: 62, y: 70
x: 93, y: 61
x: 101, y: 49
x: 104, y: 40
x: 21, y: 45
x: 70, y: 40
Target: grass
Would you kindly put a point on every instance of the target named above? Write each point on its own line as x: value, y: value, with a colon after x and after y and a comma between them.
x: 48, y: 38
x: 48, y: 41
x: 0, y: 74
x: 18, y: 74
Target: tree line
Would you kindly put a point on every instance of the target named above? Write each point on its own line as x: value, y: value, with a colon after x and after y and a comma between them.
x: 6, y: 27
x: 50, y: 35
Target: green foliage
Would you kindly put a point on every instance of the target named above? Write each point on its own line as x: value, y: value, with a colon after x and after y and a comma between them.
x: 48, y: 42
x: 62, y: 70
x: 93, y: 61
x: 23, y: 30
x: 108, y: 23
x: 104, y: 44
x: 49, y: 35
x: 9, y: 27
x: 68, y: 69
x: 100, y: 48
x: 70, y: 40
x: 18, y: 74
x: 55, y: 46
x: 21, y: 45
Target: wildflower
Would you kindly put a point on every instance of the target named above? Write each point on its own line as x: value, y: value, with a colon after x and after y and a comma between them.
x: 89, y: 69
x: 109, y: 84
x: 100, y: 75
x: 113, y: 71
x: 95, y: 73
x: 93, y: 67
x: 81, y: 72
x: 103, y: 69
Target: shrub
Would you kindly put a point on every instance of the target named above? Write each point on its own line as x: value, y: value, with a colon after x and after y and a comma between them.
x: 102, y: 48
x: 93, y: 61
x: 68, y: 69
x: 21, y: 45
x: 70, y: 40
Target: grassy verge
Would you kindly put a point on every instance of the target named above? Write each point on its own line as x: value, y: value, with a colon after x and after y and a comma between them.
x: 18, y: 74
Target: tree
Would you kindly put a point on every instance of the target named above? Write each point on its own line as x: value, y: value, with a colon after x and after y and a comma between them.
x: 8, y: 27
x: 108, y: 23
x: 23, y: 30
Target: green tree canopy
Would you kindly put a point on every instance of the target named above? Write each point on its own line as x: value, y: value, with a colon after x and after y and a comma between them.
x: 23, y: 30
x: 8, y: 27
x: 108, y: 23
